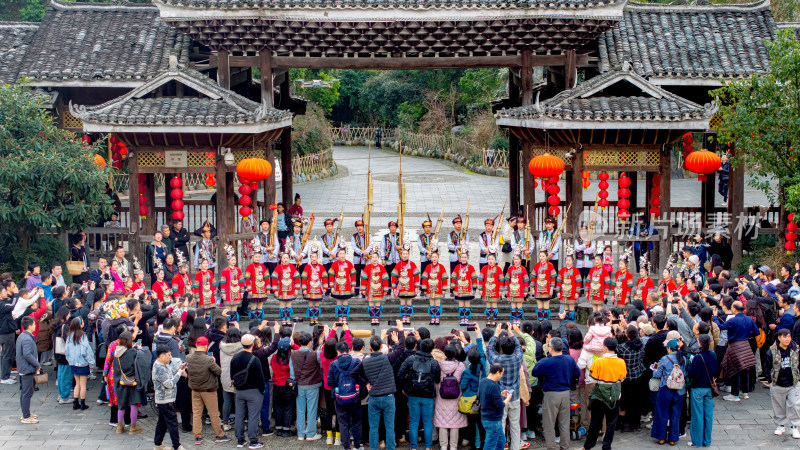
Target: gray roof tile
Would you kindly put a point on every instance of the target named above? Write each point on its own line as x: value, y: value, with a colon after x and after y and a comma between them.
x: 15, y: 38
x: 102, y: 42
x: 671, y: 41
x: 388, y: 4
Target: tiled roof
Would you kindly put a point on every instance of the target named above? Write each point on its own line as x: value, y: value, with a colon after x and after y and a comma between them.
x: 91, y: 42
x: 387, y: 4
x: 587, y: 103
x: 216, y: 107
x: 15, y: 38
x: 668, y: 41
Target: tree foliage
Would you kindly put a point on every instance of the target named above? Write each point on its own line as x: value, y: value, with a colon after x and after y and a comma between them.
x: 761, y: 114
x: 311, y: 131
x: 323, y: 97
x: 48, y: 179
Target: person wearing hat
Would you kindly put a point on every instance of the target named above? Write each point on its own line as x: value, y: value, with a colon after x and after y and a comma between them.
x: 491, y: 285
x: 205, y: 249
x: 285, y: 281
x: 203, y: 375
x: 257, y: 281
x: 390, y: 248
x: 231, y: 283
x: 425, y: 244
x: 181, y: 282
x: 267, y: 249
x: 597, y: 284
x: 374, y: 282
x: 549, y: 242
x: 247, y: 378
x: 585, y: 250
x: 568, y: 283
x: 667, y: 284
x: 622, y: 281
x: 434, y: 283
x: 455, y: 244
x: 295, y: 247
x: 405, y: 284
x: 138, y: 277
x: 313, y: 284
x: 361, y: 254
x: 204, y: 289
x: 485, y: 241
x: 162, y: 290
x: 517, y: 241
x: 328, y: 243
x: 516, y: 287
x: 644, y: 284
x: 506, y: 242
x: 342, y: 282
x: 463, y: 283
x: 669, y: 400
x: 295, y: 210
x: 543, y: 284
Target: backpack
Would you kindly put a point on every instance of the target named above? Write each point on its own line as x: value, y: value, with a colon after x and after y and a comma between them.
x: 449, y: 388
x: 676, y: 379
x: 347, y: 391
x: 421, y: 376
x: 240, y: 378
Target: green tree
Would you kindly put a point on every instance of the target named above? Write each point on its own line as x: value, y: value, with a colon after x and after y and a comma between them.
x: 48, y: 179
x: 761, y: 114
x: 479, y: 87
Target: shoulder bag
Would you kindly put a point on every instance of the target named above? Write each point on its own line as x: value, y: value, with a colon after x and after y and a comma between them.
x: 714, y: 387
x: 123, y: 379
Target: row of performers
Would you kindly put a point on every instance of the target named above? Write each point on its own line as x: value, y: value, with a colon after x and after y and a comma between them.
x: 405, y: 281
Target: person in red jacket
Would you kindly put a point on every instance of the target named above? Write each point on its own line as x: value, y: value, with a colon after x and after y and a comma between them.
x: 285, y: 284
x: 568, y: 284
x: 374, y: 284
x: 463, y: 283
x: 623, y: 281
x: 667, y: 284
x: 160, y: 287
x: 516, y: 287
x: 313, y: 283
x: 181, y: 282
x: 204, y: 288
x: 543, y: 285
x: 491, y: 284
x: 342, y: 282
x: 597, y: 284
x: 231, y: 284
x: 644, y: 284
x: 434, y: 282
x: 405, y: 284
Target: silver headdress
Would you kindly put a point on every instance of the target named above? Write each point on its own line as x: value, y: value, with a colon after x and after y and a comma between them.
x: 569, y: 249
x: 313, y: 248
x: 644, y: 262
x: 374, y: 249
x: 256, y: 244
x: 181, y: 258
x: 492, y: 250
x: 627, y: 255
x: 137, y: 268
x: 230, y: 251
x: 671, y: 263
x: 157, y: 264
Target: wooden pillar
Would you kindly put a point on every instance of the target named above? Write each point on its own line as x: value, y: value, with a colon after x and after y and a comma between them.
x: 570, y: 69
x: 223, y: 69
x: 665, y: 242
x: 149, y: 223
x: 736, y: 209
x: 634, y: 177
x: 267, y: 89
x: 231, y: 208
x: 269, y: 183
x: 514, y: 145
x: 575, y: 193
x: 286, y: 149
x: 133, y: 202
x: 527, y: 180
x: 222, y: 207
x: 707, y: 199
x: 648, y: 189
x: 526, y: 78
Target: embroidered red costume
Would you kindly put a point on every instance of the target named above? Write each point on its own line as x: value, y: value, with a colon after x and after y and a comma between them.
x: 342, y: 277
x: 374, y: 282
x: 204, y: 288
x: 434, y: 281
x: 491, y: 283
x: 543, y: 280
x: 314, y: 281
x: 567, y: 284
x: 623, y: 285
x: 516, y: 283
x: 231, y: 286
x: 597, y: 285
x: 405, y: 278
x: 285, y: 282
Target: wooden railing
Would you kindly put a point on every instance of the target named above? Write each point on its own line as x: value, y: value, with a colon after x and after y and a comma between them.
x: 316, y: 163
x: 360, y: 134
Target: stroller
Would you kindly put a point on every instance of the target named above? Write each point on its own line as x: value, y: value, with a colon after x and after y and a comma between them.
x: 576, y: 428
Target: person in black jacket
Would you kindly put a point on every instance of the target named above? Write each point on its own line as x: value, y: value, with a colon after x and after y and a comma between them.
x: 654, y: 349
x: 419, y: 374
x: 249, y: 391
x: 401, y: 407
x: 373, y: 373
x: 180, y: 237
x: 263, y: 335
x: 8, y: 329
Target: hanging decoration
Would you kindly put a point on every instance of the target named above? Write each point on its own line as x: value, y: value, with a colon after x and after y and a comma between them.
x: 211, y: 179
x: 116, y: 147
x: 143, y: 209
x: 603, y: 194
x: 702, y: 162
x: 586, y: 174
x: 623, y: 193
x: 244, y: 200
x: 176, y: 183
x: 251, y: 171
x: 687, y: 145
x: 791, y: 235
x: 553, y: 200
x: 655, y: 197
x: 546, y: 166
x: 99, y: 161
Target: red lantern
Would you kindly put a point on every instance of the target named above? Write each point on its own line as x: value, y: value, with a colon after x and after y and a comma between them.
x: 655, y: 212
x: 789, y: 246
x: 702, y: 162
x: 117, y: 165
x: 624, y: 193
x: 177, y: 215
x: 142, y: 178
x: 211, y: 182
x: 113, y: 139
x: 790, y: 236
x: 553, y: 200
x: 603, y: 202
x: 657, y: 180
x: 603, y: 194
x: 142, y: 189
x: 586, y: 183
x: 688, y: 143
x: 655, y: 191
x: 143, y: 210
x: 546, y: 166
x: 176, y: 183
x: 99, y: 161
x: 244, y: 189
x: 245, y: 211
x: 791, y: 226
x: 554, y: 211
x: 553, y: 189
x: 535, y: 184
x: 655, y: 202
x: 244, y: 181
x: 623, y: 214
x: 624, y: 181
x: 791, y: 217
x: 254, y: 185
x: 603, y: 176
x: 86, y: 140
x: 211, y: 174
x: 623, y: 203
x: 254, y: 169
x: 603, y: 185
x: 586, y: 174
x: 177, y: 205
x: 244, y: 200
x: 176, y: 194
x: 142, y: 200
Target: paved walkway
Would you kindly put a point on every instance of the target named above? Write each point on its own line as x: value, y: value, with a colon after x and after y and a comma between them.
x: 747, y: 424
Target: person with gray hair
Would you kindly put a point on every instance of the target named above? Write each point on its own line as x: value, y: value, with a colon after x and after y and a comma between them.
x: 557, y: 374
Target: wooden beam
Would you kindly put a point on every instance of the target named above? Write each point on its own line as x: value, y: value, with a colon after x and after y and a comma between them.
x: 269, y: 183
x: 513, y: 153
x: 286, y: 149
x: 575, y: 192
x: 267, y: 88
x: 570, y: 69
x: 528, y: 190
x: 223, y: 69
x: 736, y: 209
x: 526, y: 79
x: 665, y: 245
x: 133, y: 201
x: 221, y: 206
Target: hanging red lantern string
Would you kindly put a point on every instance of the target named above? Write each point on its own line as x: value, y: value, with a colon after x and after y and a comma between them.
x: 143, y: 209
x: 791, y: 235
x: 603, y: 194
x: 245, y: 200
x: 553, y: 199
x: 623, y: 193
x: 211, y: 179
x: 586, y: 174
x: 176, y: 183
x: 655, y: 197
x: 546, y: 167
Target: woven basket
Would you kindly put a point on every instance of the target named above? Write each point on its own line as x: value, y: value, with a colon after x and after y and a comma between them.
x: 74, y: 267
